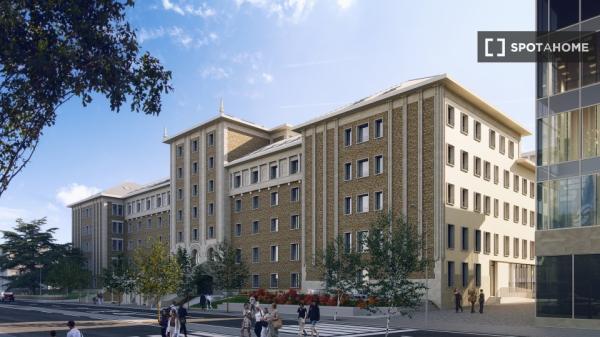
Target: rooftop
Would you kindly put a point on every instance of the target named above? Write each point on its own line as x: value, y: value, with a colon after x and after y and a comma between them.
x: 271, y: 148
x: 118, y: 191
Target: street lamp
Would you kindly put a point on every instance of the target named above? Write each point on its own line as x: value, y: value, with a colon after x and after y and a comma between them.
x: 40, y: 266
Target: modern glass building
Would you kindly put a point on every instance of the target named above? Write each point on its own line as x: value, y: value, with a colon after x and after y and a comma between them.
x: 568, y: 173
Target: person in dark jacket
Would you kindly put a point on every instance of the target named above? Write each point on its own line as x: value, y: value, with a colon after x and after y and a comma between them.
x: 182, y: 313
x: 163, y: 322
x: 457, y: 300
x: 314, y: 315
x: 481, y: 300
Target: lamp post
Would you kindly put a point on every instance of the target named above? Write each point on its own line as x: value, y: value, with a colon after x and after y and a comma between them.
x: 40, y: 266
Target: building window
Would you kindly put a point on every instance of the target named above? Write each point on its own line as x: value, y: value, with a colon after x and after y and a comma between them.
x: 379, y: 128
x: 591, y: 131
x: 179, y: 236
x: 274, y: 253
x: 117, y: 227
x: 450, y: 274
x: 255, y: 202
x: 532, y: 190
x: 477, y: 240
x: 295, y: 194
x: 464, y: 238
x: 195, y: 234
x: 477, y: 275
x: 378, y: 164
x: 516, y: 214
x: 450, y: 116
x: 294, y: 252
x: 554, y: 285
x: 464, y: 198
x: 255, y: 281
x: 511, y: 149
x: 496, y: 244
x: 362, y: 169
x: 524, y: 216
x: 273, y: 171
x: 347, y: 242
x: 274, y: 198
x: 502, y: 141
x: 492, y: 142
x: 255, y: 226
x: 487, y: 170
x: 179, y: 150
x: 496, y: 207
x: 362, y: 203
x: 464, y: 123
x: 486, y: 242
x: 294, y: 280
x: 347, y: 171
x: 532, y: 250
x: 194, y: 145
x: 348, y: 205
x: 255, y: 255
x: 506, y: 211
x: 294, y: 165
x: 496, y: 174
x: 194, y: 190
x: 274, y: 281
x: 524, y: 187
x: 238, y: 205
x: 211, y: 232
x: 486, y: 205
x: 450, y: 155
x: 211, y: 208
x: 295, y: 221
x: 210, y: 139
x: 464, y: 161
x: 211, y: 186
x: 516, y: 179
x: 194, y: 167
x: 477, y: 202
x: 274, y: 224
x: 559, y: 138
x: 516, y: 247
x: 465, y: 274
x: 117, y: 245
x: 506, y: 246
x: 378, y: 201
x: 477, y: 166
x: 524, y: 249
x: 362, y: 133
x: 254, y: 176
x: 506, y: 179
x: 347, y: 137
x: 211, y: 162
x: 238, y: 229
x: 531, y: 219
x: 195, y: 212
x: 450, y: 194
x: 477, y: 130
x: 237, y: 180
x: 450, y: 237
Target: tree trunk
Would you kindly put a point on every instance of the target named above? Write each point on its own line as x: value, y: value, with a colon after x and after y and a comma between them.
x: 336, y: 308
x: 158, y: 308
x: 387, y: 323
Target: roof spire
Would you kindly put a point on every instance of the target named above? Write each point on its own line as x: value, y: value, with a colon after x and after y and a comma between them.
x: 221, y: 108
x: 165, y: 135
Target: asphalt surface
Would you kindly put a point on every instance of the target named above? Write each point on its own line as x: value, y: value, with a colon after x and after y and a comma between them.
x: 31, y: 319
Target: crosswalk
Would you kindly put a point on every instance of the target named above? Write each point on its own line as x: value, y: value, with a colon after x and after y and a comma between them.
x: 327, y: 329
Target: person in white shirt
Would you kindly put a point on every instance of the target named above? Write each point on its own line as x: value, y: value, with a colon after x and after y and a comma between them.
x: 73, y: 331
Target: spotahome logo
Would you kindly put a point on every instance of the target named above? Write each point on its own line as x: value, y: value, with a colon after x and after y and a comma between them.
x: 512, y: 46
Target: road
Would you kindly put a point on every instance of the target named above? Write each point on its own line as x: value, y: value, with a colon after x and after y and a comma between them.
x: 31, y: 319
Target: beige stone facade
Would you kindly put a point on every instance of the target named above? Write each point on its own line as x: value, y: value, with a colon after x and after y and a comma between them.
x: 280, y: 195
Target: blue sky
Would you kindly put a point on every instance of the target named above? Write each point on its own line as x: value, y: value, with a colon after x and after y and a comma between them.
x: 273, y: 62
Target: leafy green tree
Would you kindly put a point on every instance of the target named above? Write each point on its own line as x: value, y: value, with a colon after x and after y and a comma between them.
x: 157, y: 272
x: 119, y: 278
x: 69, y: 271
x: 27, y: 248
x: 342, y: 270
x: 227, y: 269
x: 186, y: 285
x: 395, y: 248
x: 202, y: 279
x: 53, y: 51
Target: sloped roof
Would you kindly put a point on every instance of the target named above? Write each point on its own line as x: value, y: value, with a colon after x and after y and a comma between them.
x: 118, y: 191
x: 220, y: 116
x: 268, y: 149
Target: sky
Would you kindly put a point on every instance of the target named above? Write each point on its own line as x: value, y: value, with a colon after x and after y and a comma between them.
x: 272, y: 62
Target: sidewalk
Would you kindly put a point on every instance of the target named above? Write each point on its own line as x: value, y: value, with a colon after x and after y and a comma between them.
x: 501, y: 319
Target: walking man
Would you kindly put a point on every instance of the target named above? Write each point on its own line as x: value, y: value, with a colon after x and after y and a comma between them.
x: 457, y: 300
x: 182, y: 314
x: 472, y: 299
x: 73, y: 331
x: 481, y: 300
x: 314, y: 316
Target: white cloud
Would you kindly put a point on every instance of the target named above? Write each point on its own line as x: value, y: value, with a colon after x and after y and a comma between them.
x: 292, y: 11
x: 178, y: 36
x: 345, y: 4
x: 183, y: 8
x: 214, y: 72
x: 74, y: 192
x: 150, y: 34
x: 268, y: 78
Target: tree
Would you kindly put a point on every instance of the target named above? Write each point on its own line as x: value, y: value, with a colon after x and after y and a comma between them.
x: 228, y: 270
x: 69, y: 272
x: 203, y: 281
x: 395, y: 255
x: 26, y: 249
x: 119, y: 278
x: 157, y: 272
x: 342, y: 269
x: 186, y: 284
x: 53, y: 51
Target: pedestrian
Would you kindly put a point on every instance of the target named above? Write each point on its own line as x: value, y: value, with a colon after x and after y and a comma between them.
x: 275, y: 323
x: 481, y: 300
x: 314, y: 315
x: 203, y: 302
x: 258, y: 317
x: 173, y: 328
x: 472, y: 299
x: 252, y: 303
x: 95, y: 299
x: 182, y: 315
x: 457, y: 300
x: 73, y: 331
x: 246, y: 320
x: 301, y: 319
x: 100, y: 298
x: 173, y: 306
x: 163, y: 322
x: 264, y: 332
x: 209, y: 302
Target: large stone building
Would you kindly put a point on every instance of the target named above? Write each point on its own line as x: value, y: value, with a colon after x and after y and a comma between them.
x: 428, y: 149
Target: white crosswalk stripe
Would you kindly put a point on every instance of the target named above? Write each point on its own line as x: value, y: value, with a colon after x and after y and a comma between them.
x: 326, y: 329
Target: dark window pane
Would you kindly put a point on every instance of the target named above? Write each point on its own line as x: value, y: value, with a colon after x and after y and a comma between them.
x: 542, y: 79
x: 589, y: 64
x: 587, y: 292
x: 554, y: 286
x: 542, y: 15
x: 589, y: 9
x: 563, y: 13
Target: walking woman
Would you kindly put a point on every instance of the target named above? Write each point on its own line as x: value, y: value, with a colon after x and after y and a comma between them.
x: 264, y: 332
x: 301, y: 319
x: 314, y: 315
x: 173, y: 329
x: 246, y: 320
x: 275, y: 323
x: 258, y: 317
